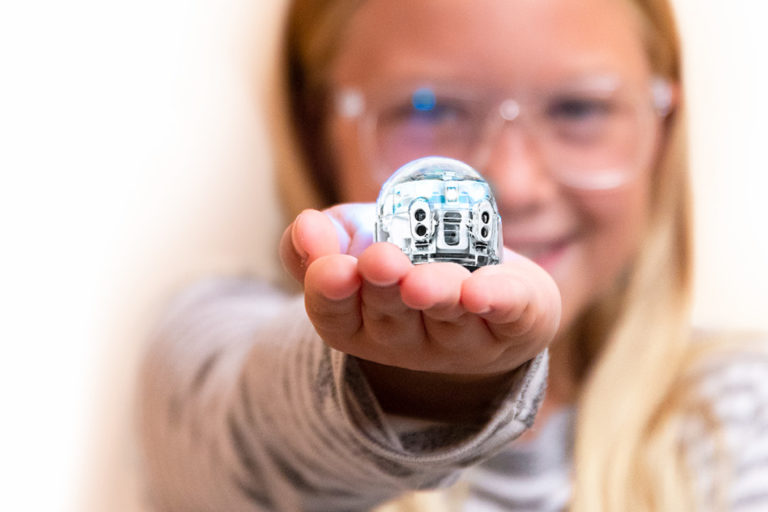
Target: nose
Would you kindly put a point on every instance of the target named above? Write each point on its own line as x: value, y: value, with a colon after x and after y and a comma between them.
x: 517, y: 171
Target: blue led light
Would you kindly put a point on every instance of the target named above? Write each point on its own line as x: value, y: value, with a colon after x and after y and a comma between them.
x: 424, y: 99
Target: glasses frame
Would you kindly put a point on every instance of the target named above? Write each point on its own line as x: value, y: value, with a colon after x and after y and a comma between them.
x: 352, y: 103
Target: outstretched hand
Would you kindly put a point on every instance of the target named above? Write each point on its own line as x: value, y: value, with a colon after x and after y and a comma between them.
x: 435, y: 325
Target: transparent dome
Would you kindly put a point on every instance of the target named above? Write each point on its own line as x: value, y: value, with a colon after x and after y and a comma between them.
x: 440, y: 209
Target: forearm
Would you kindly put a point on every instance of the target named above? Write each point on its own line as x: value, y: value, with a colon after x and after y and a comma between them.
x: 243, y: 406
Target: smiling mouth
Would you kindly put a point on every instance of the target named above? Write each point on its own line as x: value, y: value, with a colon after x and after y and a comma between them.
x: 545, y: 253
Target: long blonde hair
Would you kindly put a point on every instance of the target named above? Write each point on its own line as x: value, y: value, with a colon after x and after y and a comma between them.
x: 626, y: 454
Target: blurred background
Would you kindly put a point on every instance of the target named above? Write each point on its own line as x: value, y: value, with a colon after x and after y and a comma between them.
x: 133, y: 160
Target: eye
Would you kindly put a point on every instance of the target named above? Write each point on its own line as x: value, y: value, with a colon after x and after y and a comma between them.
x: 582, y: 120
x: 579, y: 109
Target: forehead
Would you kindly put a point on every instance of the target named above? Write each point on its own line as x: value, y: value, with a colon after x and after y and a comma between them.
x: 496, y: 41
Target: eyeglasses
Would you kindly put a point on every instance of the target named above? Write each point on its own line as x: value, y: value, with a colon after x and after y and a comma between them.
x: 591, y: 134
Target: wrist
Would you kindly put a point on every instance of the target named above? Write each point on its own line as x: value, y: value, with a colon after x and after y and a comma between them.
x: 458, y: 398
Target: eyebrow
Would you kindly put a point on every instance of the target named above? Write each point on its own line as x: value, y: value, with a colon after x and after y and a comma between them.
x: 604, y: 82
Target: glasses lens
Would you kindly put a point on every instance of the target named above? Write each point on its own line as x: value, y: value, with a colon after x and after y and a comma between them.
x: 426, y: 122
x: 590, y: 139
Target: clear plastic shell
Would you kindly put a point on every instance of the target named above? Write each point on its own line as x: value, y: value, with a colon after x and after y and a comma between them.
x: 440, y: 209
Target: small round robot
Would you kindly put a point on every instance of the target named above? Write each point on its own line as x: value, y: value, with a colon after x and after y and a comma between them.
x: 440, y: 209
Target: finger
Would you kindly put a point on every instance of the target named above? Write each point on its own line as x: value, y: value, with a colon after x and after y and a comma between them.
x: 516, y: 299
x: 292, y: 262
x: 497, y: 293
x: 314, y: 235
x: 331, y: 296
x: 382, y: 266
x: 435, y: 289
x: 309, y: 237
x: 392, y: 327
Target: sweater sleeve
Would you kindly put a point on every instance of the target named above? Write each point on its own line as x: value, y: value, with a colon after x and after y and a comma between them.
x: 243, y: 407
x: 727, y: 439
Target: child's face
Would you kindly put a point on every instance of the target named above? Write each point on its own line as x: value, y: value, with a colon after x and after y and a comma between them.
x: 531, y: 50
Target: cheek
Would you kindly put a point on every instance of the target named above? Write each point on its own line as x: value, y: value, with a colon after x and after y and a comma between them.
x: 618, y: 221
x: 612, y: 229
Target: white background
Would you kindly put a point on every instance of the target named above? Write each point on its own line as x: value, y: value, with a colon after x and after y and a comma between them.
x: 133, y: 159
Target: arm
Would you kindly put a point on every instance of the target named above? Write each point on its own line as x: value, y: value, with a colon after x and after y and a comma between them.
x: 244, y: 407
x: 252, y: 398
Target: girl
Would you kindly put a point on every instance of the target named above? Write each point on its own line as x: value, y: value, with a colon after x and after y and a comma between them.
x: 384, y: 377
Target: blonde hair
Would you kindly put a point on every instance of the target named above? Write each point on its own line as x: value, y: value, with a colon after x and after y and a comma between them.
x: 627, y: 454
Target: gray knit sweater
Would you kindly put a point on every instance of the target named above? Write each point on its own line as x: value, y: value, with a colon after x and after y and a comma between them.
x: 245, y: 409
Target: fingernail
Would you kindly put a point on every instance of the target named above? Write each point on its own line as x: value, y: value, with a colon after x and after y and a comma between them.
x: 296, y: 239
